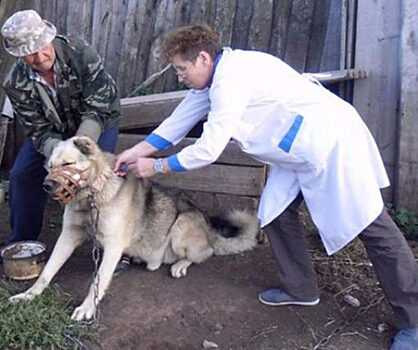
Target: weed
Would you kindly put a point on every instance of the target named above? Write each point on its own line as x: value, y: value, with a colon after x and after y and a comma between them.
x: 39, y: 323
x: 143, y: 91
x: 406, y: 220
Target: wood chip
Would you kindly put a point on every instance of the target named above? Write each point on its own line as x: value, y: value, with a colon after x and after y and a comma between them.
x: 352, y: 301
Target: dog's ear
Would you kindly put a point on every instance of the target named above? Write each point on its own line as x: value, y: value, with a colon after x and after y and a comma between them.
x: 85, y: 144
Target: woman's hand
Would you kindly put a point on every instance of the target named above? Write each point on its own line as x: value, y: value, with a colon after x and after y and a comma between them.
x: 130, y: 156
x: 142, y: 167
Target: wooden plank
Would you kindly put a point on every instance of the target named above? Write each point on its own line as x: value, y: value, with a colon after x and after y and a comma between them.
x: 132, y: 35
x: 143, y: 111
x: 48, y: 11
x: 182, y: 13
x: 260, y: 25
x: 114, y: 36
x: 244, y: 12
x: 231, y: 155
x: 218, y: 203
x: 80, y: 19
x: 281, y: 16
x: 343, y: 41
x: 298, y: 34
x: 102, y: 19
x: 197, y: 11
x: 182, y: 10
x: 62, y: 17
x: 144, y: 52
x: 338, y: 75
x: 218, y: 178
x: 351, y: 21
x: 318, y: 32
x: 224, y: 20
x: 35, y: 4
x: 151, y: 110
x: 164, y: 20
x: 406, y: 187
x: 331, y: 49
x: 375, y: 98
x: 210, y: 12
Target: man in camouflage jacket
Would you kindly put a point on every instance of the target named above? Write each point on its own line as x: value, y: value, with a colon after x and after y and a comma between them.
x: 58, y: 88
x: 87, y: 98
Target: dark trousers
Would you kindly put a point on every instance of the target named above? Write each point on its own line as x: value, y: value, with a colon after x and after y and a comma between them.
x: 387, y: 249
x: 26, y: 195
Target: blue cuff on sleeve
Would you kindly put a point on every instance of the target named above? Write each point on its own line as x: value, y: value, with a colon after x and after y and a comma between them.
x: 174, y: 163
x: 287, y: 141
x: 158, y: 141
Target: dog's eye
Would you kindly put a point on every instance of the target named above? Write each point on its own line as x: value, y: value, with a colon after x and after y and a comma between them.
x: 67, y: 163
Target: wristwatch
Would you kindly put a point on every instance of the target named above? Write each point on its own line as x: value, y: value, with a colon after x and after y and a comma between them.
x: 159, y: 166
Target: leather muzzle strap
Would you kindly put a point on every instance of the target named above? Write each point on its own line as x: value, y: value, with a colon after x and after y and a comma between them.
x: 70, y: 180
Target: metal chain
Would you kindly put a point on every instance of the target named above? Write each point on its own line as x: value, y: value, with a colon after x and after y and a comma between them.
x: 95, y: 253
x: 324, y: 341
x: 66, y: 333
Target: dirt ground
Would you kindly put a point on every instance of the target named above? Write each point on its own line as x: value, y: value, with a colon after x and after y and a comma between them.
x: 217, y: 302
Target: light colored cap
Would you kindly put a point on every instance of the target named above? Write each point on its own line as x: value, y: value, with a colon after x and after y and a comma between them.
x: 25, y: 33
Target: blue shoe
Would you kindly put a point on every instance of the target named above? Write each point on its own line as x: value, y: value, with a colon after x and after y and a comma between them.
x: 406, y: 339
x: 277, y: 297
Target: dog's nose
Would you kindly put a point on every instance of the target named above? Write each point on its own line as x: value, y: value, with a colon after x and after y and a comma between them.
x: 50, y: 186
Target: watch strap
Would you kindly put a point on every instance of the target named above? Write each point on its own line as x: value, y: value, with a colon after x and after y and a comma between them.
x: 159, y: 166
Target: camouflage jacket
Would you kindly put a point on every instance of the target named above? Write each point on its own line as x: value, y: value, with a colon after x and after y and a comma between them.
x: 88, y: 98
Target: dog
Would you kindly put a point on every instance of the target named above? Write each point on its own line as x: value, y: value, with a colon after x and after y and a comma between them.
x: 129, y: 216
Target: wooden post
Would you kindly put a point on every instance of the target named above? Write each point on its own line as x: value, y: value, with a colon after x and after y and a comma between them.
x: 407, y: 180
x: 377, y: 97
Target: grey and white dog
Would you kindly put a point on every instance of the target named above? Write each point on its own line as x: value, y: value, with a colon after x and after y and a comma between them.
x: 136, y: 218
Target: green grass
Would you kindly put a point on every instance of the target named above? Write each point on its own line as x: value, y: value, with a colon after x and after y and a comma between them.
x: 406, y: 220
x: 39, y: 324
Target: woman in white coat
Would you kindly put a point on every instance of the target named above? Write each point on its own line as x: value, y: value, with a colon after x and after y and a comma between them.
x: 317, y: 147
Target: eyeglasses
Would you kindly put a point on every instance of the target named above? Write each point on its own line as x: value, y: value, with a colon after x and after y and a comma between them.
x: 182, y: 71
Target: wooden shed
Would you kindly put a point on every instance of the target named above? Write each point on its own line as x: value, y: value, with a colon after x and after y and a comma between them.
x: 347, y: 39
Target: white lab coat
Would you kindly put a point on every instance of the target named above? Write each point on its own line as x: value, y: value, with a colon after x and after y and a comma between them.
x: 312, y: 140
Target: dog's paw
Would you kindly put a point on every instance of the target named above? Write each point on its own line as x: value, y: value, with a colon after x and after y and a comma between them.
x: 21, y: 297
x: 83, y: 313
x: 179, y: 269
x: 153, y: 266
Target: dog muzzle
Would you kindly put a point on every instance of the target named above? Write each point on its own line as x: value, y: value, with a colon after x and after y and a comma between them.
x: 64, y: 182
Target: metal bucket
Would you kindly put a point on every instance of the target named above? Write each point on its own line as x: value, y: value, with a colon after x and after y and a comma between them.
x: 23, y: 260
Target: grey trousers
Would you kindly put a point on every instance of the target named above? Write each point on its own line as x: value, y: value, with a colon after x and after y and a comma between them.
x: 386, y: 247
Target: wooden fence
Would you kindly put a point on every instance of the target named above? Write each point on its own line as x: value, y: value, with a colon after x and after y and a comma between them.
x: 128, y: 33
x: 305, y: 33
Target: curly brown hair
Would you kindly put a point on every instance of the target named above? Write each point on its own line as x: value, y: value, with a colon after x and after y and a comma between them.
x: 190, y: 40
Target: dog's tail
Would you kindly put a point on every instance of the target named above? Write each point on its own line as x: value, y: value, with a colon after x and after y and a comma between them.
x: 234, y: 232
